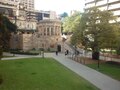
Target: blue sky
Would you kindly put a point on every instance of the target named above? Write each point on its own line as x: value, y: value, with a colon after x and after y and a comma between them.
x: 59, y: 6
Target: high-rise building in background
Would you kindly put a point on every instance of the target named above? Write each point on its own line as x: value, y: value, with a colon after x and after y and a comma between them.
x: 9, y: 2
x: 111, y: 5
x: 28, y: 4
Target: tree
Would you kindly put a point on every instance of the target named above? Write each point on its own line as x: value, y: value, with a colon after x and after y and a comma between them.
x: 70, y: 23
x: 96, y: 30
x: 6, y: 27
x: 63, y: 15
x: 75, y: 39
x: 117, y: 48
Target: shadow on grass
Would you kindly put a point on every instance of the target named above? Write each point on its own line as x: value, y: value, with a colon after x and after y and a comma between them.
x: 1, y: 80
x: 113, y: 63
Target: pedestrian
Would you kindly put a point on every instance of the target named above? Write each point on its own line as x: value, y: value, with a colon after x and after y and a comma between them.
x: 56, y: 52
x: 67, y: 52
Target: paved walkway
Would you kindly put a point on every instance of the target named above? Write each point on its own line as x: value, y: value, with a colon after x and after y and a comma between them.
x: 98, y: 79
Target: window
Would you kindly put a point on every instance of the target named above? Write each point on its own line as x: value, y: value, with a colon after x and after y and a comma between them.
x: 52, y: 31
x: 44, y: 31
x: 102, y: 2
x: 47, y: 31
x: 114, y: 6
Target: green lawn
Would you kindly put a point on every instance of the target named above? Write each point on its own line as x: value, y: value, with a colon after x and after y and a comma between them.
x: 40, y: 74
x: 108, y: 69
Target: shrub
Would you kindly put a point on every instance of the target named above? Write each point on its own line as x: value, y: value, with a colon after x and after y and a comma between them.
x: 24, y: 53
x: 1, y: 54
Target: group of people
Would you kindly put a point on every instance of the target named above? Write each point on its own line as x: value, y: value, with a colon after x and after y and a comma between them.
x: 66, y: 52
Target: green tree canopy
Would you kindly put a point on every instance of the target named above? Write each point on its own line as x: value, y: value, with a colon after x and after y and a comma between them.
x: 70, y: 23
x: 96, y: 30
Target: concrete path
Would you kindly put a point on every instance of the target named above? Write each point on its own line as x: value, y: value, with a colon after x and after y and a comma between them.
x: 100, y: 80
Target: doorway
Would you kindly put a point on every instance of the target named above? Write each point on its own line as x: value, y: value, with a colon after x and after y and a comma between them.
x: 59, y: 48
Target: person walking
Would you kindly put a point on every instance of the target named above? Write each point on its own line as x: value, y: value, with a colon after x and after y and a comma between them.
x: 66, y: 52
x: 56, y: 52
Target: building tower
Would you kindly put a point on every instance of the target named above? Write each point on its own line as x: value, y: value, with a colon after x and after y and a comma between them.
x: 111, y: 5
x: 28, y: 4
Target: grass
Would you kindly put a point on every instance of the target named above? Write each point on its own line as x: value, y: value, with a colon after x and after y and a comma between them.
x: 111, y: 70
x: 40, y: 74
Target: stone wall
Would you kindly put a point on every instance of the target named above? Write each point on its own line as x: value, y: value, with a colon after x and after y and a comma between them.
x: 49, y: 34
x: 47, y: 37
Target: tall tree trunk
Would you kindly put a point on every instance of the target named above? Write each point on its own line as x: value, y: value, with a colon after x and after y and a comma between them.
x: 118, y: 50
x: 95, y: 55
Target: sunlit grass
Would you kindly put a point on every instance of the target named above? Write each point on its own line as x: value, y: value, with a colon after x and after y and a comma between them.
x: 40, y: 74
x: 111, y: 70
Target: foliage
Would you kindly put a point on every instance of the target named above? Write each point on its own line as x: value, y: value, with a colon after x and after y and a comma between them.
x: 70, y: 23
x: 118, y: 43
x: 75, y: 39
x: 6, y: 27
x: 63, y: 15
x: 24, y: 53
x: 96, y: 30
x: 40, y: 74
x: 8, y: 24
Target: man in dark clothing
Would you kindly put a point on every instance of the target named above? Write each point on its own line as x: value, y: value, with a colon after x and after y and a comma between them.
x: 66, y: 52
x: 56, y: 52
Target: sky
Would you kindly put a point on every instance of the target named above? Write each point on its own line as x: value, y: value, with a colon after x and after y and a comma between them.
x: 59, y: 6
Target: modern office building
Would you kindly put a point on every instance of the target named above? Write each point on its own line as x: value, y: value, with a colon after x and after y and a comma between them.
x: 111, y: 5
x: 9, y: 2
x: 28, y: 4
x: 41, y: 15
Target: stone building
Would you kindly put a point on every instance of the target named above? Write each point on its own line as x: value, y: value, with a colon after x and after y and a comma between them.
x: 49, y: 34
x: 36, y: 29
